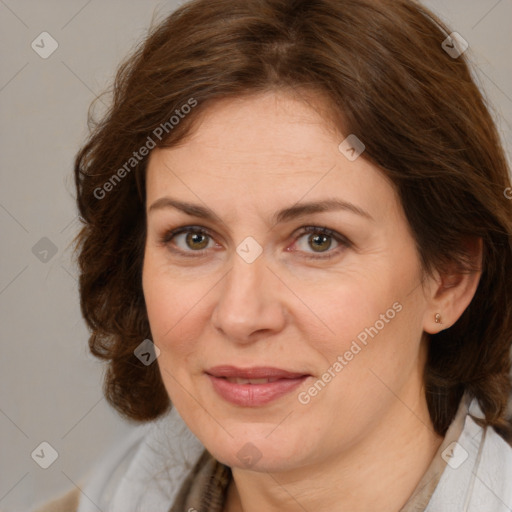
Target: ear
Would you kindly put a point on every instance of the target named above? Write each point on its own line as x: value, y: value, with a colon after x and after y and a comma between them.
x: 450, y: 293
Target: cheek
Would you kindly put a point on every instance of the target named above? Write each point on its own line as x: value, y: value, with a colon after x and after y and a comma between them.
x: 161, y: 301
x: 373, y: 321
x: 348, y: 308
x: 165, y: 297
x: 169, y: 317
x: 371, y: 358
x: 176, y: 313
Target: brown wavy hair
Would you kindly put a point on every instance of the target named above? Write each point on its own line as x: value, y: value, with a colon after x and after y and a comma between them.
x: 382, y: 68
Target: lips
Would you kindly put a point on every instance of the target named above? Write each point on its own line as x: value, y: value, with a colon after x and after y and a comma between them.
x: 251, y: 387
x: 252, y: 373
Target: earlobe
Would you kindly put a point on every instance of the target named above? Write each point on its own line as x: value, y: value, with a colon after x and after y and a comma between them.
x: 434, y: 323
x: 453, y: 291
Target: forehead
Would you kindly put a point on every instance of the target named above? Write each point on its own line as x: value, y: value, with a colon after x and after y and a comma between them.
x: 267, y: 150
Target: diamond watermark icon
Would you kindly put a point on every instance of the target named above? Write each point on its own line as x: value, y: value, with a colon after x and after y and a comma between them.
x: 44, y: 250
x: 249, y: 249
x: 351, y: 147
x: 44, y: 45
x: 454, y: 45
x: 147, y: 352
x: 44, y: 455
x: 454, y: 455
x: 249, y: 455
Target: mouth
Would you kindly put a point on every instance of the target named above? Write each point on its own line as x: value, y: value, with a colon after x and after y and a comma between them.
x: 252, y: 387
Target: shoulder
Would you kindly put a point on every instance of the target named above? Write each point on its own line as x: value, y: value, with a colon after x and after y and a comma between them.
x: 66, y: 503
x: 494, y: 472
x: 478, y: 472
x: 105, y: 473
x: 143, y: 471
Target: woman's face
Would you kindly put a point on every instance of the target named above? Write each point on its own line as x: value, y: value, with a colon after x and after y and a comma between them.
x: 246, y: 291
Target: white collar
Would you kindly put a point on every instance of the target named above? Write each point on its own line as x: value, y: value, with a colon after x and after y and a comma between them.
x: 144, y: 472
x: 478, y: 476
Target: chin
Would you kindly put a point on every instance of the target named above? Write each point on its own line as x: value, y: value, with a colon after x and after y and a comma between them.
x: 249, y: 457
x: 255, y: 450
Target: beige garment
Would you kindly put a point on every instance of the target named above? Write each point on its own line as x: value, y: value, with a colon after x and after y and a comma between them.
x: 66, y: 503
x: 205, y: 488
x: 427, y: 485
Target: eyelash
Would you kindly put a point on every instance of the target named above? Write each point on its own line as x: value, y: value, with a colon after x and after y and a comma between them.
x: 344, y: 242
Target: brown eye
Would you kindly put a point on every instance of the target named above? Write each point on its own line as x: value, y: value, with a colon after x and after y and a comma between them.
x: 319, y: 241
x: 188, y: 240
x: 196, y: 240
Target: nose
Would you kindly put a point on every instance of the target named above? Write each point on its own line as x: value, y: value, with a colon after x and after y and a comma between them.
x: 249, y: 304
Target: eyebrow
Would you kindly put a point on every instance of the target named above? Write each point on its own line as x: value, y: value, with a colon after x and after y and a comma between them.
x: 285, y: 215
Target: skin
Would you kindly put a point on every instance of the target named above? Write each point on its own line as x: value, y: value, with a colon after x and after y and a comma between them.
x: 365, y: 440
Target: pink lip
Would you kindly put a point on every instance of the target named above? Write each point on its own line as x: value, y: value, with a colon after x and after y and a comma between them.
x: 253, y: 395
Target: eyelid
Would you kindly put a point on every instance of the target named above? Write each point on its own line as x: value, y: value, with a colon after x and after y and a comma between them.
x: 170, y: 234
x: 167, y: 237
x: 343, y: 241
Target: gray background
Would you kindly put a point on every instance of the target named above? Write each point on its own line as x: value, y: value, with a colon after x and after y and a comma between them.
x: 50, y: 386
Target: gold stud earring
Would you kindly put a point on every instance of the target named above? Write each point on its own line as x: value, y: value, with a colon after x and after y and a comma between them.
x: 438, y: 318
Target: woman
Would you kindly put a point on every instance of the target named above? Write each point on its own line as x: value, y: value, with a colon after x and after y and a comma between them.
x: 296, y: 232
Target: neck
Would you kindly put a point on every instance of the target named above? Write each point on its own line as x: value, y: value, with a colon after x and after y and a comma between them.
x: 379, y: 473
